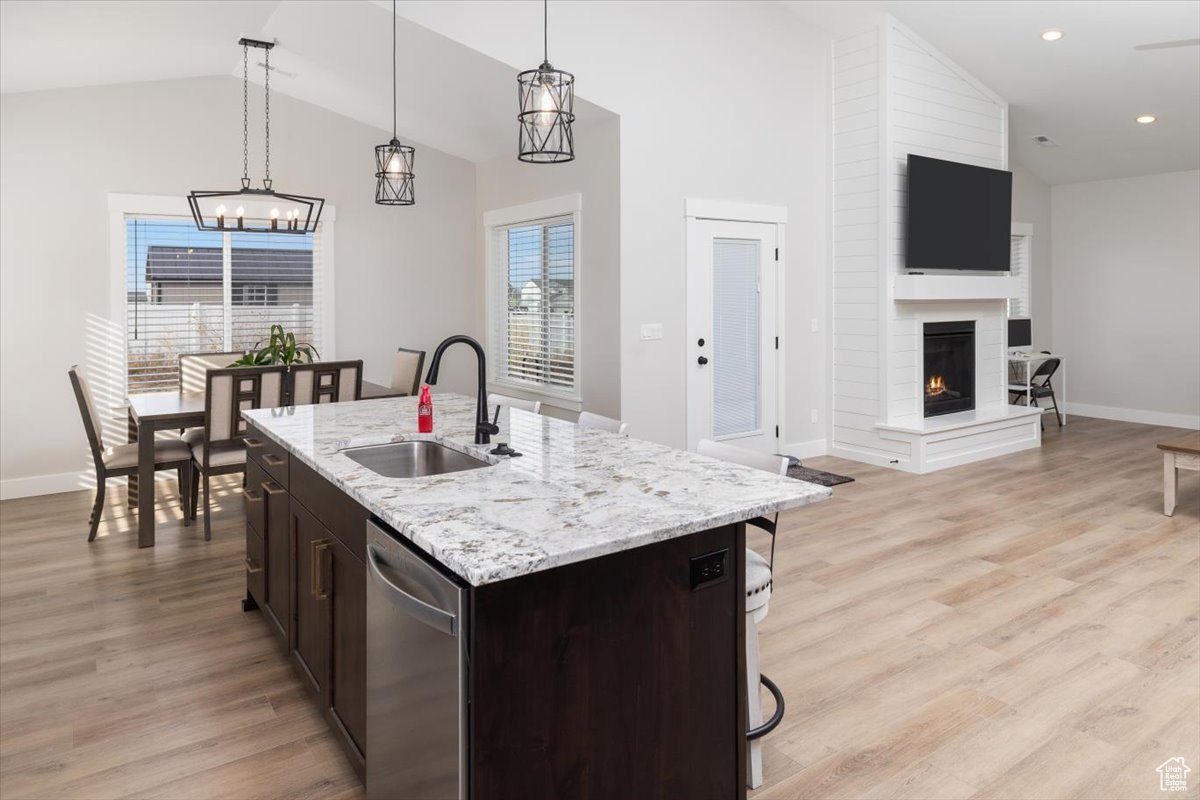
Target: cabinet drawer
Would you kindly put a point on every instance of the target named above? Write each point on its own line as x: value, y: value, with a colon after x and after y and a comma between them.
x: 268, y: 454
x: 255, y: 567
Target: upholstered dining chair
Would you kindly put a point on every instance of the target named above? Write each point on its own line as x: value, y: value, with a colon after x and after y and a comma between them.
x: 221, y: 449
x: 406, y: 370
x: 600, y: 422
x: 122, y: 459
x: 759, y: 580
x: 194, y: 366
x: 326, y: 382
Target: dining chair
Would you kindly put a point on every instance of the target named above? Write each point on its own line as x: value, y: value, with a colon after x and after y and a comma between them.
x: 589, y: 420
x: 326, y: 382
x: 122, y: 459
x: 759, y: 581
x: 500, y: 400
x: 406, y: 370
x: 193, y: 366
x: 221, y: 450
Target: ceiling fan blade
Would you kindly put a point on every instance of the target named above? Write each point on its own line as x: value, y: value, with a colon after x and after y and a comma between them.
x: 1167, y: 45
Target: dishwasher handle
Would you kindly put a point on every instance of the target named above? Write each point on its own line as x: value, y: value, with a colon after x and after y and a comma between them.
x: 432, y: 616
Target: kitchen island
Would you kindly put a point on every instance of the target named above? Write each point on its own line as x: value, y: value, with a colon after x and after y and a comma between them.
x: 591, y: 591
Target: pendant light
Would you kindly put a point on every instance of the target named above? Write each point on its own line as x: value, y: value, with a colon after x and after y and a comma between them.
x: 547, y: 101
x: 394, y: 161
x: 255, y: 210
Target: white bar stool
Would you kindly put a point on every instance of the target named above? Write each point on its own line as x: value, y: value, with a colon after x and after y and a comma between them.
x: 758, y: 598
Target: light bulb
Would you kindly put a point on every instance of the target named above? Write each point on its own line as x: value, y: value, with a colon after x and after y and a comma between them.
x: 543, y: 103
x: 241, y: 212
x: 274, y: 213
x: 395, y: 163
x: 220, y: 211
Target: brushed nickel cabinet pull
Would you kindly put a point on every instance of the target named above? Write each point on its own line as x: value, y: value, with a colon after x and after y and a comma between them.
x: 253, y: 443
x: 272, y: 460
x: 250, y: 566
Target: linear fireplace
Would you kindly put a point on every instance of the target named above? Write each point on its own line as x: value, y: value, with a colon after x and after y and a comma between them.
x: 949, y: 367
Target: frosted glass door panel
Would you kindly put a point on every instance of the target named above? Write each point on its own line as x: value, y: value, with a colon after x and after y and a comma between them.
x: 736, y: 341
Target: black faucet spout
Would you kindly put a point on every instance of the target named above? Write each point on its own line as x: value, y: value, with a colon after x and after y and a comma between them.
x: 483, y: 428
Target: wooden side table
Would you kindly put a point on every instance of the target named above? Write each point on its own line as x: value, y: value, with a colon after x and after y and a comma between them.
x: 1181, y: 453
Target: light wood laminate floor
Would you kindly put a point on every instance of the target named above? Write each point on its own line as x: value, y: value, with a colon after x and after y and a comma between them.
x: 1022, y: 628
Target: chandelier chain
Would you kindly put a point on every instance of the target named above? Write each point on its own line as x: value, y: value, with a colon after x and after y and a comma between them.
x: 393, y: 69
x: 545, y: 31
x: 245, y: 114
x: 267, y: 115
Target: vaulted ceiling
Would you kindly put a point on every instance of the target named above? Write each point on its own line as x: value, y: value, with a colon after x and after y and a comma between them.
x: 1084, y: 91
x: 336, y: 54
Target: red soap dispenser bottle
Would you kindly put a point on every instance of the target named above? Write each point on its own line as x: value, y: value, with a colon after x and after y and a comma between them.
x: 425, y: 411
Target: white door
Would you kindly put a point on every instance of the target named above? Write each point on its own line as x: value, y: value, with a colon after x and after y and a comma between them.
x: 732, y: 279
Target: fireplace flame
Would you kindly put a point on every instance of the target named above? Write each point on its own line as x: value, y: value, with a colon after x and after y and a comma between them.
x: 935, y: 386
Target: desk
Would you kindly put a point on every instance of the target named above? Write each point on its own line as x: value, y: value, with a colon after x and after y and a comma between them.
x: 1181, y: 453
x: 158, y: 411
x: 1028, y: 360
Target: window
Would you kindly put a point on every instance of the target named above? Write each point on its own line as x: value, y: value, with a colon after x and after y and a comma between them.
x: 533, y: 303
x: 1020, y: 263
x: 191, y: 291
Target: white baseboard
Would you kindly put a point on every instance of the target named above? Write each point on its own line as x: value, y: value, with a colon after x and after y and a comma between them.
x: 36, y: 485
x: 12, y: 488
x: 1134, y: 415
x: 809, y: 449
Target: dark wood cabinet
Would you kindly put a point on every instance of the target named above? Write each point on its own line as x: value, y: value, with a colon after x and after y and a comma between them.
x: 347, y: 599
x: 310, y: 628
x: 304, y: 573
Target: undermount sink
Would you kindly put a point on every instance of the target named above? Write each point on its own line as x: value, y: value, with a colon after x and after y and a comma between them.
x: 412, y: 459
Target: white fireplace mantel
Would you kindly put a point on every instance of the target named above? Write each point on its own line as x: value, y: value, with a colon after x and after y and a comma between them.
x: 921, y: 288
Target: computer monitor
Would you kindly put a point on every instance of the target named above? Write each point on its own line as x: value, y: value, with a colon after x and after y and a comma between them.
x: 1020, y: 333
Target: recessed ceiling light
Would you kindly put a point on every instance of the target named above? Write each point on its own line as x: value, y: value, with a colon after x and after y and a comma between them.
x: 1146, y: 119
x: 1052, y: 35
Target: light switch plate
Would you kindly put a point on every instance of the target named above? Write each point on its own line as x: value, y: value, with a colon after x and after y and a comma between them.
x: 652, y: 331
x: 814, y: 324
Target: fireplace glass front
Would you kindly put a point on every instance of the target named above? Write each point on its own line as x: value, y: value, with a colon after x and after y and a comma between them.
x: 949, y: 367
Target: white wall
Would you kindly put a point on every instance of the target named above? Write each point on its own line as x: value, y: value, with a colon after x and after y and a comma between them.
x: 1126, y: 279
x: 721, y: 100
x: 404, y: 276
x: 1031, y: 203
x: 505, y: 181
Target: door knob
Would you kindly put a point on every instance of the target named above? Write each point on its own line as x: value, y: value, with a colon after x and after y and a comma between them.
x: 702, y: 361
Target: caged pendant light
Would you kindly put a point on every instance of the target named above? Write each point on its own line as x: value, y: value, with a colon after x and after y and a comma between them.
x: 394, y: 161
x: 255, y: 210
x: 547, y: 103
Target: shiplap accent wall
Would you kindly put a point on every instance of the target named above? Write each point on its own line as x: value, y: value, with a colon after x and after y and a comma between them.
x: 893, y: 95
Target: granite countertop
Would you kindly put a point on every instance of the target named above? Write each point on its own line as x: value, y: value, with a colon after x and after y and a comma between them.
x: 574, y: 494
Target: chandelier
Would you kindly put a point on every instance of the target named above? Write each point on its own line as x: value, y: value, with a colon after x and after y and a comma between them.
x: 262, y: 210
x: 547, y: 109
x: 394, y: 161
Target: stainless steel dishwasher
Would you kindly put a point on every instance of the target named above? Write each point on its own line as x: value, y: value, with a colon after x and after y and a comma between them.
x: 416, y: 675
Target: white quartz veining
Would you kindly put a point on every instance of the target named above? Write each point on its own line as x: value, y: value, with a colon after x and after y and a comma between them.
x: 574, y: 494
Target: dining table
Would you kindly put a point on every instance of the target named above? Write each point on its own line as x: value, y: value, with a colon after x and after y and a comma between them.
x: 152, y: 412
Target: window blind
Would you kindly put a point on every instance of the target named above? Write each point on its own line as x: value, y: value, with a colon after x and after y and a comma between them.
x: 533, y: 305
x: 736, y: 339
x: 1019, y: 264
x: 191, y: 291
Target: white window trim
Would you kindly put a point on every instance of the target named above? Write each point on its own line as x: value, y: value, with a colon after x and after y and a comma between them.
x: 567, y: 205
x: 121, y: 206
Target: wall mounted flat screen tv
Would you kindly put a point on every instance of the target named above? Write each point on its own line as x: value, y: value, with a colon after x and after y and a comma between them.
x: 959, y: 216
